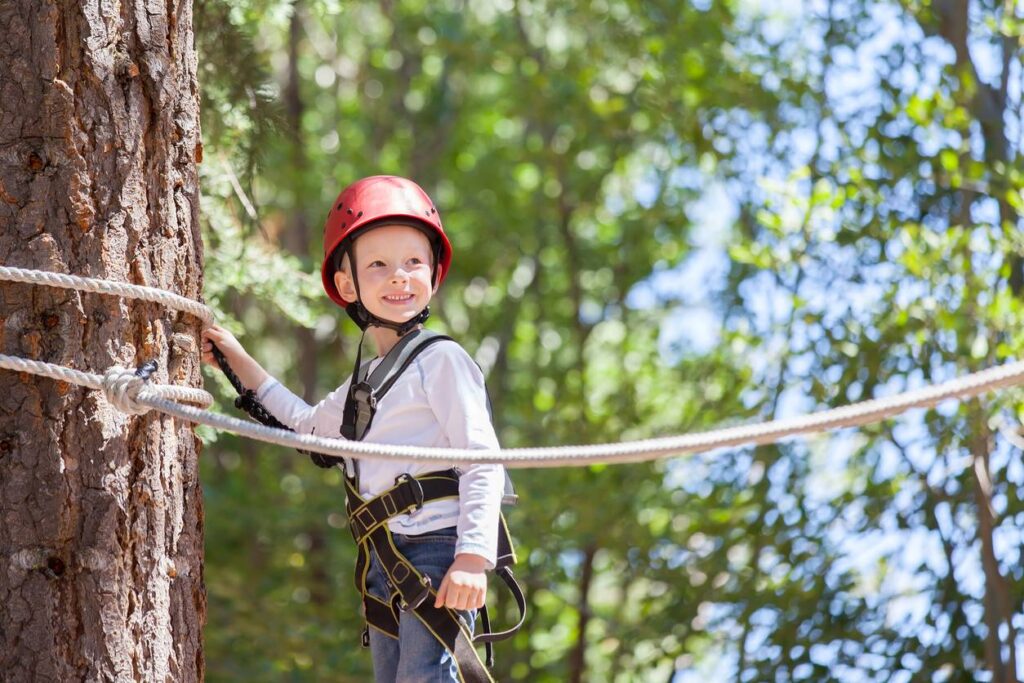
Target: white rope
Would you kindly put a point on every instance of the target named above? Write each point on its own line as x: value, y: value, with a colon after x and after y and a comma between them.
x: 117, y: 383
x: 98, y: 286
x: 134, y: 395
x: 852, y: 415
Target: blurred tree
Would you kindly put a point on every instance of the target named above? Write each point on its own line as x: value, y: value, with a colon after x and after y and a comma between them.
x: 665, y: 218
x: 906, y: 201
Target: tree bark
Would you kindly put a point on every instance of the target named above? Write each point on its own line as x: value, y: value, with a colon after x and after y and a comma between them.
x: 100, y: 512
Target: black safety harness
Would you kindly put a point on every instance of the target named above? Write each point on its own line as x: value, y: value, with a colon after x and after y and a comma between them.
x: 411, y: 590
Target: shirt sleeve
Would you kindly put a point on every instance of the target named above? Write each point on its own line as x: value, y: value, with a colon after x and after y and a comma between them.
x: 454, y: 386
x: 323, y: 419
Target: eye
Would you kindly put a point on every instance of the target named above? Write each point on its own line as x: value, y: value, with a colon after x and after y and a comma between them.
x: 376, y: 264
x: 416, y: 260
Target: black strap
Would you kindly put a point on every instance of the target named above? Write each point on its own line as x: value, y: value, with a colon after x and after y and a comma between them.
x: 248, y: 402
x: 366, y: 389
x: 416, y: 594
x: 368, y: 519
x: 364, y: 319
x: 488, y: 636
x: 368, y: 524
x: 409, y: 494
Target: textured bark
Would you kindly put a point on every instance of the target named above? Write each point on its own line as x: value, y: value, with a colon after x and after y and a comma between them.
x: 100, y: 512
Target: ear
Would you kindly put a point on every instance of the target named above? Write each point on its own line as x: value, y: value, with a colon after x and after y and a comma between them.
x: 345, y: 286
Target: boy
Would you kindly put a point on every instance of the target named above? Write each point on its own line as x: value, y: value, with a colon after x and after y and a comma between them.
x: 385, y: 255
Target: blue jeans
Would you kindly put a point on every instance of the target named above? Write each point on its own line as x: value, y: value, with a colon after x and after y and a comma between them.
x: 417, y: 656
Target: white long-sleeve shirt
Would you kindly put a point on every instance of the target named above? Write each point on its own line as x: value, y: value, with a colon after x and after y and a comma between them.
x: 439, y: 401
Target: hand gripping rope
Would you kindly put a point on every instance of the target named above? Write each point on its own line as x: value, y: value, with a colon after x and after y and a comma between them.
x: 131, y: 392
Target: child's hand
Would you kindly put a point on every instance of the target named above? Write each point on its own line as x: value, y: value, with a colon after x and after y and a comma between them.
x: 465, y: 585
x: 225, y: 341
x: 248, y: 370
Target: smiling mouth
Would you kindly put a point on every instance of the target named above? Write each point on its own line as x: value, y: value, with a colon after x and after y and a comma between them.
x: 398, y: 299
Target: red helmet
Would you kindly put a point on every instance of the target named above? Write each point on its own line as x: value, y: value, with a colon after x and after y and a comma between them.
x: 377, y: 200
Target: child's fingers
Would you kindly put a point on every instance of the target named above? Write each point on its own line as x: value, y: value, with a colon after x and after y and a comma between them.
x: 213, y: 333
x: 442, y: 592
x: 463, y: 597
x: 455, y: 598
x: 221, y: 338
x: 472, y: 599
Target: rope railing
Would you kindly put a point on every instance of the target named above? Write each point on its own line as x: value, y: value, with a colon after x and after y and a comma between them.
x: 101, y: 286
x: 115, y: 383
x: 133, y: 394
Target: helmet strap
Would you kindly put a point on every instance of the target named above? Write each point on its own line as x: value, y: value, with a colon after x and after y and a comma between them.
x: 436, y: 270
x: 364, y: 319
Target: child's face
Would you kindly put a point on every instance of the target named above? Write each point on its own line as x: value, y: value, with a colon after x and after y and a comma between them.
x: 394, y: 263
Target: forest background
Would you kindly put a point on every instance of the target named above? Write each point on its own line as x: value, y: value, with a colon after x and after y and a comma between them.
x: 666, y: 217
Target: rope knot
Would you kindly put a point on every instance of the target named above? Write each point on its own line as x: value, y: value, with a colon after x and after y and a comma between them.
x: 122, y: 387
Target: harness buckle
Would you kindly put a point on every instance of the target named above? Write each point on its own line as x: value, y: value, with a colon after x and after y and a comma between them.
x: 420, y: 597
x: 364, y: 392
x: 366, y: 519
x: 415, y: 486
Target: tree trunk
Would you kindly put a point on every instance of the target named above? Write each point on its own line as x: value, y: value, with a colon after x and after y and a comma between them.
x: 988, y: 105
x: 100, y: 512
x: 577, y: 658
x: 998, y: 603
x: 297, y: 239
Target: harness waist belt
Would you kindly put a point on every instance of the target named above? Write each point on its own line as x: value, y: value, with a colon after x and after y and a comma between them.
x: 368, y: 523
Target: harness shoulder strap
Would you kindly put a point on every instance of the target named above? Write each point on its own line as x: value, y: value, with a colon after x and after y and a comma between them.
x: 385, y: 376
x: 399, y: 358
x: 366, y: 391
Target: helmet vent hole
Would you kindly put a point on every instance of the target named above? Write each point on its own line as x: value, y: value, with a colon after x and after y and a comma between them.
x: 359, y: 215
x: 350, y: 212
x: 338, y: 207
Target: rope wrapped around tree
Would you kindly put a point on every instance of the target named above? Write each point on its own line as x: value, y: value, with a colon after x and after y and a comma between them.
x: 129, y: 390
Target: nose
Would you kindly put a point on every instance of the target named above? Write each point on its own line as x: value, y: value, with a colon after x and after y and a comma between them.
x: 399, y: 275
